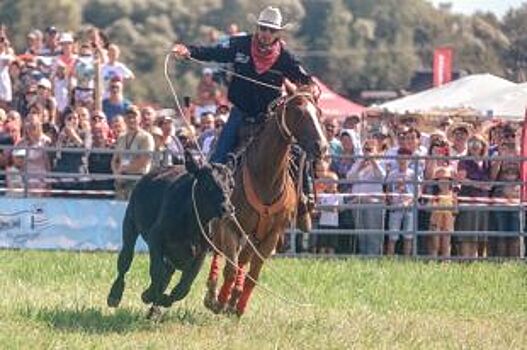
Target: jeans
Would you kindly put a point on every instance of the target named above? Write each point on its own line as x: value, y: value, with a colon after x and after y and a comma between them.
x: 398, y: 219
x: 228, y: 139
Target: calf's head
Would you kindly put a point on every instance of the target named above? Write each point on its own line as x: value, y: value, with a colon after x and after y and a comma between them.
x: 213, y: 188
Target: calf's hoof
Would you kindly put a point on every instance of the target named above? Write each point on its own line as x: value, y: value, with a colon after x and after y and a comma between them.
x: 164, y: 301
x: 112, y: 302
x: 116, y: 294
x: 147, y: 296
x: 154, y: 313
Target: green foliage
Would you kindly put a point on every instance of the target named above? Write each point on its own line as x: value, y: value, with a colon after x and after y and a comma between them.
x: 351, y: 44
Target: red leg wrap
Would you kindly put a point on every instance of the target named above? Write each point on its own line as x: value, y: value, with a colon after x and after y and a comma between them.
x: 225, y: 292
x: 244, y: 299
x: 214, y: 267
x: 240, y: 278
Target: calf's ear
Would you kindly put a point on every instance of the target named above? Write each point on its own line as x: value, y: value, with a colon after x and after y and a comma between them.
x: 190, y: 163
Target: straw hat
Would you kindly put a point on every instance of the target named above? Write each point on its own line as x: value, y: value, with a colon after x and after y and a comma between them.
x: 459, y: 125
x: 271, y: 17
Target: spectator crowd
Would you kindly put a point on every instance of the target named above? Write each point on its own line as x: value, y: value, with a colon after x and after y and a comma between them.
x: 68, y: 128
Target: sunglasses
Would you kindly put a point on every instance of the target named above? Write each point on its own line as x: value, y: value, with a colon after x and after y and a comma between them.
x: 267, y: 29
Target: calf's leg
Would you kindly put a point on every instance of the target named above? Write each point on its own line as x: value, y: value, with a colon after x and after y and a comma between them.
x: 124, y: 260
x: 158, y: 273
x: 187, y: 278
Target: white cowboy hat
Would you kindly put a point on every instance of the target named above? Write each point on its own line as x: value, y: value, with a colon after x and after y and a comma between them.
x: 270, y: 17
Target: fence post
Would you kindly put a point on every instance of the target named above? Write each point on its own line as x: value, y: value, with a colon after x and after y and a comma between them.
x: 415, y: 212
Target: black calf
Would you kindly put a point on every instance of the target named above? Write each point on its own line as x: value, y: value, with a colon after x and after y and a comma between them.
x: 161, y: 210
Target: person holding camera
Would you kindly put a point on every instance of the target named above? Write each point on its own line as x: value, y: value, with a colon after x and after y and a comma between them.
x: 367, y: 175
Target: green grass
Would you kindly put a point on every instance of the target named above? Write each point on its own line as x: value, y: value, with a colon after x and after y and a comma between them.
x: 56, y: 300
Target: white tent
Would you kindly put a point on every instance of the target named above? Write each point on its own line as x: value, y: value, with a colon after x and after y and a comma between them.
x: 508, y: 103
x: 457, y: 94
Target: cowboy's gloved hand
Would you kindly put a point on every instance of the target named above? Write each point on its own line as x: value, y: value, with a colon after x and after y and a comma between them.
x: 180, y: 51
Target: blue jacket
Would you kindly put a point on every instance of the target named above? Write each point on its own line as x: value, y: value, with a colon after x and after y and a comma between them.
x: 252, y: 99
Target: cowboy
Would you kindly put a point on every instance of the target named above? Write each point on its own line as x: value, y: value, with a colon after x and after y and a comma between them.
x: 261, y: 56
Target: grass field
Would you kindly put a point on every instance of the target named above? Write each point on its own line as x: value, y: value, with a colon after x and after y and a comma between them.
x: 56, y: 300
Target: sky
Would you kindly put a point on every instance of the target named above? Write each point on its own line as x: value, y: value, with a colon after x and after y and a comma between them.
x: 499, y: 7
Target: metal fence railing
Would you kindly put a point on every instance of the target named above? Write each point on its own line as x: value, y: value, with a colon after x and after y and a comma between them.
x: 351, y: 203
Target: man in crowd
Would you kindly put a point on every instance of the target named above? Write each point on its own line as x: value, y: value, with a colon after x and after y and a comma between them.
x: 135, y: 139
x: 115, y: 103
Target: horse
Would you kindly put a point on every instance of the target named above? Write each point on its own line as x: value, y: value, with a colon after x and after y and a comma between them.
x: 264, y: 197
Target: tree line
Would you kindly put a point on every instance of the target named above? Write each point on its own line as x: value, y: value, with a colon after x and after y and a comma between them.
x: 353, y: 44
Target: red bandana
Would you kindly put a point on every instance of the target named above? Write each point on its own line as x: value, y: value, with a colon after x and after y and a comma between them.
x: 263, y: 61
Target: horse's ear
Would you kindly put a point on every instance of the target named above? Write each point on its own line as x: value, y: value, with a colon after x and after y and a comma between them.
x: 290, y: 88
x: 190, y: 163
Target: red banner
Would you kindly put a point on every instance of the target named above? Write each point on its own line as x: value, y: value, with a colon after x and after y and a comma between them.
x: 442, y: 65
x: 524, y: 162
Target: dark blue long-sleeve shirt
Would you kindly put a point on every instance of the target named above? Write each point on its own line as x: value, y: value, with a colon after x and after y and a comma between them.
x: 252, y: 99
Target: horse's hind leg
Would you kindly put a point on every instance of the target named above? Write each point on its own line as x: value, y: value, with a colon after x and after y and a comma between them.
x: 124, y: 261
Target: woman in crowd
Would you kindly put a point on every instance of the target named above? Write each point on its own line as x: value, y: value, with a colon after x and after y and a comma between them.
x: 508, y: 192
x: 368, y: 169
x: 72, y: 136
x: 37, y: 159
x: 473, y: 172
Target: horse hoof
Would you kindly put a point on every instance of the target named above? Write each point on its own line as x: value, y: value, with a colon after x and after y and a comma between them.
x: 154, y: 313
x: 214, y: 306
x: 231, y: 310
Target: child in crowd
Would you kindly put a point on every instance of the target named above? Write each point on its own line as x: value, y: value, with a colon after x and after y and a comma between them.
x: 14, y: 178
x: 401, y: 193
x: 442, y: 219
x: 329, y: 217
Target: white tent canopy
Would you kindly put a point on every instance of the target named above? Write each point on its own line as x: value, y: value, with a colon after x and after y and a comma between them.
x: 461, y: 93
x: 508, y: 103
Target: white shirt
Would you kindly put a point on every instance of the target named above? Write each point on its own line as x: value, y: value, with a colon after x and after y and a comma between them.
x: 118, y: 69
x: 329, y: 217
x: 6, y: 92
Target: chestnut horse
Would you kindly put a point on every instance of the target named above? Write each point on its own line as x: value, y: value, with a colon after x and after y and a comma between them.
x: 265, y: 199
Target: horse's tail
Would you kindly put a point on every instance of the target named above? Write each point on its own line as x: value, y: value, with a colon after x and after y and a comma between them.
x: 126, y: 255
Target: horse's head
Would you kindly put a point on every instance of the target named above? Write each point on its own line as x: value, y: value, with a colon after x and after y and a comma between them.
x: 298, y: 121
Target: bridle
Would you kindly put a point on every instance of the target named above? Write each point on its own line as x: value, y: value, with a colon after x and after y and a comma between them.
x: 280, y: 119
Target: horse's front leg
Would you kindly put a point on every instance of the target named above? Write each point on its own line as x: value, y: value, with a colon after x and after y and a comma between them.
x: 232, y: 240
x: 243, y: 259
x: 265, y: 248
